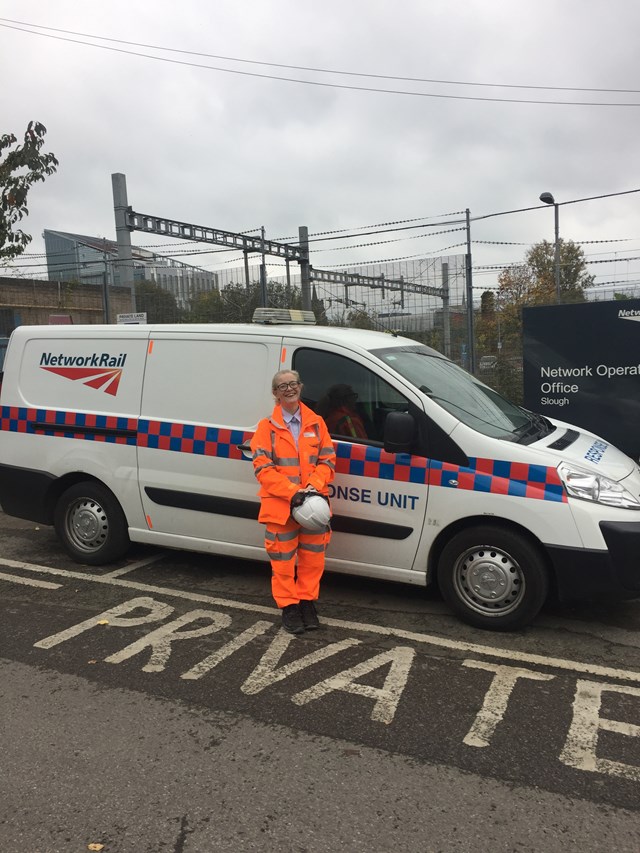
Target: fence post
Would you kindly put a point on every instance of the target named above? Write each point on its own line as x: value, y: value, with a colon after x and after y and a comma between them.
x: 469, y: 282
x: 446, y: 318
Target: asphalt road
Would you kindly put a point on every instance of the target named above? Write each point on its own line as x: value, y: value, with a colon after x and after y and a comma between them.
x: 155, y: 705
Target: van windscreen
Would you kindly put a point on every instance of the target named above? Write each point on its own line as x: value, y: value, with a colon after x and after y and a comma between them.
x: 458, y: 392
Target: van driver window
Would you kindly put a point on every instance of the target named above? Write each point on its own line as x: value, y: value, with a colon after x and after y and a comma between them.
x: 353, y: 401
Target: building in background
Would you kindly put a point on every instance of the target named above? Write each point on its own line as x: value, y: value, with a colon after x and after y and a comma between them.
x: 91, y: 260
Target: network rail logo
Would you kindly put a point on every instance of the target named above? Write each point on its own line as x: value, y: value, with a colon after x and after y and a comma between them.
x: 629, y: 314
x: 102, y: 371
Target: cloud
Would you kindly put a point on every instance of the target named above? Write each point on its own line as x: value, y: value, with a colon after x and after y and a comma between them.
x: 236, y: 152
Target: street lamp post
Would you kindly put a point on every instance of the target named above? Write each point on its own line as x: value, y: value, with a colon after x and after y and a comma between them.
x: 547, y: 198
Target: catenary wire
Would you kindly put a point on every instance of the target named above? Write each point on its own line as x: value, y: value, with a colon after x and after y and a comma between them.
x: 322, y: 84
x: 325, y: 70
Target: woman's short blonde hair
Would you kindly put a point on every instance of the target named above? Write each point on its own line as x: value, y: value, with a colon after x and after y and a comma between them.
x: 276, y: 379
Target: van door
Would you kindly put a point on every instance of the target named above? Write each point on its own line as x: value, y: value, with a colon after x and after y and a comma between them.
x: 203, y: 396
x: 379, y: 501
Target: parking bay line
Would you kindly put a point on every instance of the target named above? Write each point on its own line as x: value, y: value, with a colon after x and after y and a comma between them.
x: 131, y: 567
x: 29, y: 581
x: 412, y: 636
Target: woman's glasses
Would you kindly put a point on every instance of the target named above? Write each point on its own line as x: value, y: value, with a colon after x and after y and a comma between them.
x: 284, y: 385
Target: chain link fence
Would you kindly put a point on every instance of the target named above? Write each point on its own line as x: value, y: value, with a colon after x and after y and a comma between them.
x: 424, y: 300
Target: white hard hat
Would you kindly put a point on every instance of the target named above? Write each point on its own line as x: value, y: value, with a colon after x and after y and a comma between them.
x: 313, y: 513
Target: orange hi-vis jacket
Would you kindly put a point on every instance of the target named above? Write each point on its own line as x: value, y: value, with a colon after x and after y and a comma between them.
x: 344, y: 421
x: 282, y: 469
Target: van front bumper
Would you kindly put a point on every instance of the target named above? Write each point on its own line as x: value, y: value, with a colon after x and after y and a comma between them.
x: 587, y: 574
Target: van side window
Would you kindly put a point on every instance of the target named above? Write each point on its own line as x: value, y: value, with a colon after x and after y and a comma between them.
x: 353, y: 401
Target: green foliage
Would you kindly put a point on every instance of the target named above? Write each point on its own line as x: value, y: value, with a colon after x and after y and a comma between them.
x: 360, y: 319
x: 20, y: 167
x: 317, y: 306
x: 159, y: 305
x: 573, y: 272
x: 499, y: 323
x: 488, y: 303
x: 237, y: 302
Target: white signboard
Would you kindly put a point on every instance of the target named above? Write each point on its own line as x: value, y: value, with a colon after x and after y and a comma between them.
x: 140, y: 317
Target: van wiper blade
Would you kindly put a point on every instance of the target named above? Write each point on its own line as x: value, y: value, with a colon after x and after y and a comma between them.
x: 537, y: 427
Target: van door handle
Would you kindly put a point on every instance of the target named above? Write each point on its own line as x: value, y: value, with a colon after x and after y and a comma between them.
x: 245, y: 449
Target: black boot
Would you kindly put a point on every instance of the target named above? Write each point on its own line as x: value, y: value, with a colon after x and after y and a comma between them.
x: 309, y: 615
x: 292, y: 619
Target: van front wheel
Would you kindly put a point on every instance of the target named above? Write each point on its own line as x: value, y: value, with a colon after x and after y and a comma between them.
x: 493, y: 578
x: 90, y: 524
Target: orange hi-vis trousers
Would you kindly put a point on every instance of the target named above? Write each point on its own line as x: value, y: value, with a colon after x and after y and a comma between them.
x: 297, y: 561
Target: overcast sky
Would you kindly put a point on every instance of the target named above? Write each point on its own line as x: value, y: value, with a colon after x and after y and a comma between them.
x: 235, y: 151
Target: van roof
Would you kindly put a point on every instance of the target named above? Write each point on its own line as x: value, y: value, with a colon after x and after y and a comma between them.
x: 362, y: 338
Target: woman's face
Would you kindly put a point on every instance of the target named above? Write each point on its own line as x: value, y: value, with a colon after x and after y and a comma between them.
x: 288, y: 391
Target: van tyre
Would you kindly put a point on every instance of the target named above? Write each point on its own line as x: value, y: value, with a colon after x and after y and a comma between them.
x: 91, y: 524
x: 493, y: 578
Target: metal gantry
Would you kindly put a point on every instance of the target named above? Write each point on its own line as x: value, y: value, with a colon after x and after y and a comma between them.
x: 128, y: 220
x: 216, y: 236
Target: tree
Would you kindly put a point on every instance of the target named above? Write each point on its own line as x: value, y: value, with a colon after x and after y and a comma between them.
x: 573, y: 272
x: 159, y: 305
x: 207, y: 306
x: 20, y: 168
x: 236, y: 303
x: 499, y: 324
x: 531, y: 283
x: 359, y: 318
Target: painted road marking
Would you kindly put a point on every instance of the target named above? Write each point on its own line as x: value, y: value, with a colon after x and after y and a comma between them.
x: 131, y: 567
x: 580, y: 746
x: 496, y: 699
x: 362, y: 627
x: 29, y: 581
x: 580, y: 749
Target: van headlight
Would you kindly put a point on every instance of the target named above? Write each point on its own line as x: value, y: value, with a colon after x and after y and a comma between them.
x: 588, y: 486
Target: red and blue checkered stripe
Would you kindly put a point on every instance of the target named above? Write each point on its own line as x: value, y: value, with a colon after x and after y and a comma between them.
x: 189, y: 438
x: 493, y: 476
x: 112, y: 429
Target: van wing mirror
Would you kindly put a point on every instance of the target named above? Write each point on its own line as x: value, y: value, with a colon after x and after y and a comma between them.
x: 399, y: 431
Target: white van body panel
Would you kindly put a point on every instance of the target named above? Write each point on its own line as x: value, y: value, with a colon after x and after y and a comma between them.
x: 189, y: 443
x: 160, y: 415
x: 65, y: 382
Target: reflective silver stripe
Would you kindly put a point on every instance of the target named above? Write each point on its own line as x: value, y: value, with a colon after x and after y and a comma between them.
x: 287, y: 537
x: 313, y: 460
x: 262, y: 451
x: 282, y: 557
x: 282, y: 537
x: 294, y: 479
x: 327, y: 451
x: 328, y: 464
x: 262, y: 467
x: 285, y: 462
x: 305, y: 546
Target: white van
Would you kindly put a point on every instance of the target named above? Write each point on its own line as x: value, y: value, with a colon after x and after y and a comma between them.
x: 140, y: 433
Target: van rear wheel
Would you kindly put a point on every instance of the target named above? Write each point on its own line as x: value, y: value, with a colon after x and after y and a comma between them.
x: 493, y: 578
x: 90, y: 524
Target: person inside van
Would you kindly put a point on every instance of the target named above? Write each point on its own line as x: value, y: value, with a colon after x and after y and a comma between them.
x: 338, y: 407
x: 293, y: 459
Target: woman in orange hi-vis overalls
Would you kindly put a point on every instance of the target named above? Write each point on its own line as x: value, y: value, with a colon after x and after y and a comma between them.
x: 292, y: 455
